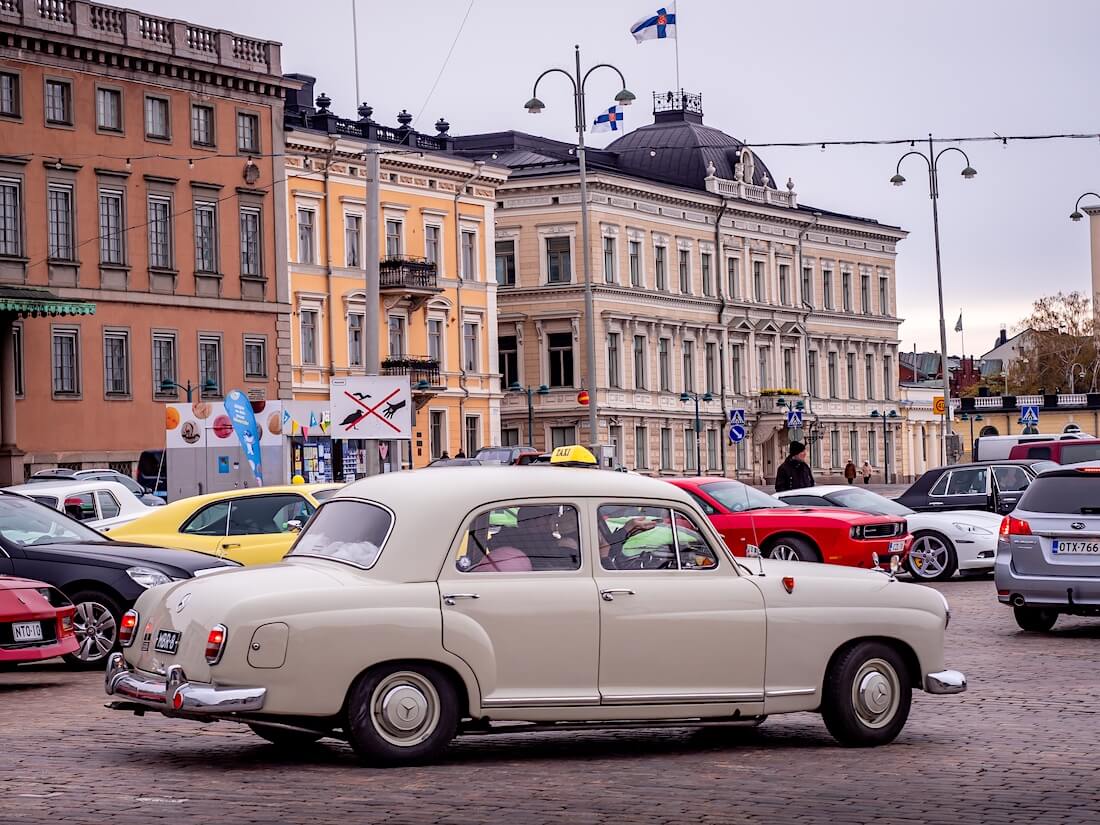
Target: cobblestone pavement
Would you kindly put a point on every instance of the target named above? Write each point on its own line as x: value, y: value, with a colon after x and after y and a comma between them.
x: 1020, y: 746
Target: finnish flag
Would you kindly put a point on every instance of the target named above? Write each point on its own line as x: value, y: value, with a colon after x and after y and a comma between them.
x: 657, y: 26
x: 609, y: 121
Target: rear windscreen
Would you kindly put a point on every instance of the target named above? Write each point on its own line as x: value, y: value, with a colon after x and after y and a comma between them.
x: 1076, y: 453
x: 1075, y: 495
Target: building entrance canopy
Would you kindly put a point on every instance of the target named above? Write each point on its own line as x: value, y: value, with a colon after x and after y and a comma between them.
x: 27, y: 302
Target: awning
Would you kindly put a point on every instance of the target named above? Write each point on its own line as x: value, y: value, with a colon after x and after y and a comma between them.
x: 30, y: 302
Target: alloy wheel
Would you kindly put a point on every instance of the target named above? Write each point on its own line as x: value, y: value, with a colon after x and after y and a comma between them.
x: 784, y: 552
x: 95, y: 630
x: 928, y: 557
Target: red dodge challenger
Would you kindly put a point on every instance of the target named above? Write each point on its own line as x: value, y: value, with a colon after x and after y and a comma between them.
x: 36, y: 621
x: 744, y: 516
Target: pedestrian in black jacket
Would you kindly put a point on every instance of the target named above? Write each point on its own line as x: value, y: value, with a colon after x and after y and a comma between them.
x: 794, y: 473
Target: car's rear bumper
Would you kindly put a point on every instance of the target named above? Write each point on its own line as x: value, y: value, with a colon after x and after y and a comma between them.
x: 174, y: 694
x: 945, y: 682
x: 1030, y: 589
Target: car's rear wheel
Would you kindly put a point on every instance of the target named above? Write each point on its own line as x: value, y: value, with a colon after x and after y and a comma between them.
x: 402, y: 714
x: 1035, y: 619
x: 284, y: 737
x: 932, y: 557
x: 867, y: 694
x: 791, y: 549
x: 95, y: 623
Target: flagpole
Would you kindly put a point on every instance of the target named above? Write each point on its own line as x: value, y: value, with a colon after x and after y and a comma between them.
x: 677, y: 39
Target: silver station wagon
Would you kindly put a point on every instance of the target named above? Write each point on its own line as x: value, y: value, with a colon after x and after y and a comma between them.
x: 418, y: 606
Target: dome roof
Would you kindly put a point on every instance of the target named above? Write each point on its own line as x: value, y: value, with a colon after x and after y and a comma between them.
x: 683, y: 147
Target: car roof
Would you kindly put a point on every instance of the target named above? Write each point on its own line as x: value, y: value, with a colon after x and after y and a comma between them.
x: 821, y: 489
x: 1024, y: 462
x: 65, y: 487
x: 1072, y: 469
x: 698, y: 481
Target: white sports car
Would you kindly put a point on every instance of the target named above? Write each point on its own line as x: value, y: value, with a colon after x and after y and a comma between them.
x: 963, y: 540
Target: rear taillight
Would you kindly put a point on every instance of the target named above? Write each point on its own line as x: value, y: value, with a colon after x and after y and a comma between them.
x: 127, y: 628
x: 215, y: 643
x: 1014, y: 527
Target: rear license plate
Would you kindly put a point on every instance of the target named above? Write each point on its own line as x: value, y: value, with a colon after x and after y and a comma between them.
x: 1061, y: 547
x: 27, y: 632
x: 168, y: 641
x: 897, y: 546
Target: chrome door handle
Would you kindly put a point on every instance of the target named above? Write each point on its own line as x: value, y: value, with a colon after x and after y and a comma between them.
x: 609, y: 595
x: 449, y: 598
x: 229, y: 545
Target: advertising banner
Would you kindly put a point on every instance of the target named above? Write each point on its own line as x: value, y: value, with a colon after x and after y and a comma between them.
x: 243, y: 420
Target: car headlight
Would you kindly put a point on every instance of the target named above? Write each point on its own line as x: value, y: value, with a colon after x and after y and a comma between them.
x: 972, y: 528
x: 946, y: 609
x: 147, y: 577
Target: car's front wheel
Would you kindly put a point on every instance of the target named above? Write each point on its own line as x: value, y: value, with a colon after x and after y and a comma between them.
x: 1035, y: 619
x: 402, y: 714
x: 932, y: 557
x: 791, y: 549
x: 95, y: 624
x: 866, y: 696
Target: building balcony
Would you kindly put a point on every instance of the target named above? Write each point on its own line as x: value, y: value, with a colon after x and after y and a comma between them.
x: 424, y: 373
x: 415, y: 278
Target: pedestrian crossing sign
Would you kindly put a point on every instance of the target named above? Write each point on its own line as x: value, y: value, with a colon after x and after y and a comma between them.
x: 737, y: 417
x: 1029, y: 414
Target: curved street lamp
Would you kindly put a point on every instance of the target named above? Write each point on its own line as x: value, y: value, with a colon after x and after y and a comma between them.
x: 534, y: 106
x: 932, y: 160
x: 542, y: 390
x: 207, y: 386
x: 971, y: 419
x: 886, y: 417
x: 694, y: 396
x: 1076, y: 215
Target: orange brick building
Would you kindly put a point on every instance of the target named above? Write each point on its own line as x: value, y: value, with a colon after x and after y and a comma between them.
x: 140, y: 172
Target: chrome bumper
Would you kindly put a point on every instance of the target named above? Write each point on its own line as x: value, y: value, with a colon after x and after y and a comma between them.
x: 175, y: 694
x: 946, y: 681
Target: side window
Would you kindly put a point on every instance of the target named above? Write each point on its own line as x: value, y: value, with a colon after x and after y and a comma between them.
x: 1035, y: 452
x: 81, y: 507
x: 262, y: 515
x: 1011, y: 479
x: 693, y: 551
x: 808, y: 501
x: 940, y: 487
x: 298, y: 510
x: 971, y: 482
x: 704, y: 505
x: 209, y: 521
x: 636, y: 538
x: 108, y: 504
x: 522, y: 538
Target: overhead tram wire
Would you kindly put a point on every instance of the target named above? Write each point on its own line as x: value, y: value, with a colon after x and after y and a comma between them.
x: 443, y: 67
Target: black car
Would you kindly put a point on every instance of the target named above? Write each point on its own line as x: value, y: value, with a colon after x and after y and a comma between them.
x: 995, y: 486
x: 103, y: 578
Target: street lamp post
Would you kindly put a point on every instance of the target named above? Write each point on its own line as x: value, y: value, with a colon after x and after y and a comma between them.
x: 542, y: 390
x: 971, y: 419
x: 1073, y: 376
x: 694, y: 396
x: 167, y: 386
x: 886, y: 417
x: 932, y: 159
x: 534, y: 106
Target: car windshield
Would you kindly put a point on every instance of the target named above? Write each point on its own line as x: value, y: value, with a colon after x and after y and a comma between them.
x: 1070, y: 495
x: 501, y: 455
x: 345, y: 530
x: 868, y: 502
x: 325, y: 495
x: 737, y: 497
x: 27, y: 523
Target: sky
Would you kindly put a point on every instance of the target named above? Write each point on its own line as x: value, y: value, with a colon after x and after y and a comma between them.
x: 798, y: 70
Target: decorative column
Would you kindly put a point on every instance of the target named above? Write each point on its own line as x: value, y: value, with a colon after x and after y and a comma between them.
x: 11, y: 457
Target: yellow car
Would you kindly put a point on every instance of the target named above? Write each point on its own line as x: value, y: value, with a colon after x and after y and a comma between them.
x: 251, y: 526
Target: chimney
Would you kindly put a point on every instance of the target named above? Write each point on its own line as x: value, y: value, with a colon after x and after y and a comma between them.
x: 300, y: 100
x: 1003, y: 338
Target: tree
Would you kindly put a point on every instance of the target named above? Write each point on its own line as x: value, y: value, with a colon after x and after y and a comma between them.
x: 1059, y: 349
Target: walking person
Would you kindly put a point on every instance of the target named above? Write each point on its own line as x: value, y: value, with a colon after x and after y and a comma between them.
x: 850, y: 471
x: 868, y: 471
x: 794, y: 473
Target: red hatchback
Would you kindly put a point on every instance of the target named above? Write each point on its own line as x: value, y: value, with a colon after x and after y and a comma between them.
x: 744, y: 516
x: 36, y: 621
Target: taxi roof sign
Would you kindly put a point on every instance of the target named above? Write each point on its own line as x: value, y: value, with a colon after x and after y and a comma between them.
x: 573, y: 455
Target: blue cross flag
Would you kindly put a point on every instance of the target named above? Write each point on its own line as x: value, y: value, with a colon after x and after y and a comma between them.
x: 609, y: 121
x: 659, y: 26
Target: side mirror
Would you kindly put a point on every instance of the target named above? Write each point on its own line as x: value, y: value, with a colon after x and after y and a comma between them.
x: 294, y: 526
x: 752, y: 551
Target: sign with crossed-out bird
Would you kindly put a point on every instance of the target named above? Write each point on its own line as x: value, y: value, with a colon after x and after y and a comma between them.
x: 373, y: 407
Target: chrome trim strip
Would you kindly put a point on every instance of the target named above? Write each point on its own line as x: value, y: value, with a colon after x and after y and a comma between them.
x: 772, y: 694
x: 681, y: 698
x: 542, y: 702
x: 945, y: 682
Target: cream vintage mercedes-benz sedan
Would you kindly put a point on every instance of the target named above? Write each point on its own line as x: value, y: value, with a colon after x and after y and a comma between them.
x: 418, y: 606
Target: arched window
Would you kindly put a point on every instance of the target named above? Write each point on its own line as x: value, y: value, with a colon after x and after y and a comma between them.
x: 989, y: 429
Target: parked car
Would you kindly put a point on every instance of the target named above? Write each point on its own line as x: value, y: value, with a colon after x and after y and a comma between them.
x: 746, y: 517
x: 995, y: 486
x: 143, y: 494
x: 398, y: 632
x: 99, y: 504
x: 998, y: 447
x: 455, y: 462
x: 1069, y: 451
x: 942, y: 542
x: 36, y: 622
x: 507, y: 455
x: 1048, y: 559
x: 255, y: 525
x: 103, y: 578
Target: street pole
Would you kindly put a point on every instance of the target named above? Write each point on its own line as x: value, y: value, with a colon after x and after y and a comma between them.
x: 698, y: 453
x: 372, y: 302
x: 589, y: 302
x: 530, y: 419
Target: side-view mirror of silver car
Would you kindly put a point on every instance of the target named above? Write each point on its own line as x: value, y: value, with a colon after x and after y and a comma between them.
x: 294, y: 526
